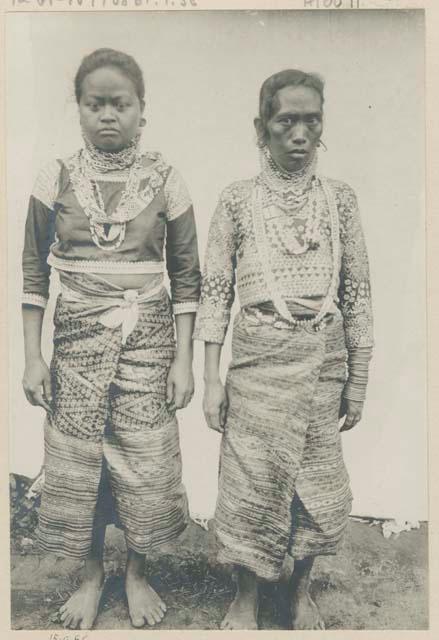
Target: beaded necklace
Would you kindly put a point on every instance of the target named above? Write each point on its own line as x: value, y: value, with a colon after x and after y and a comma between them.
x: 289, y: 191
x: 294, y: 189
x: 107, y: 230
x: 105, y: 161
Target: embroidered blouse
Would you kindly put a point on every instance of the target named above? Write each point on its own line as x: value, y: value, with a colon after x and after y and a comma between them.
x: 58, y: 231
x: 238, y: 249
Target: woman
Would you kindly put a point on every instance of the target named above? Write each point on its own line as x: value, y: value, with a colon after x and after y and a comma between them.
x: 294, y: 239
x: 99, y: 218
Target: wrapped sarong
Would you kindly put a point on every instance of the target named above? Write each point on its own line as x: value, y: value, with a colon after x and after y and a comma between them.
x: 283, y: 485
x: 111, y: 443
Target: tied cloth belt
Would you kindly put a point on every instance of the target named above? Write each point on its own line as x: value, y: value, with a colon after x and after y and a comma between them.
x: 122, y: 310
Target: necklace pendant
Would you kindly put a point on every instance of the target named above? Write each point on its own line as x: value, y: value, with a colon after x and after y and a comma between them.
x: 113, y: 232
x: 108, y: 232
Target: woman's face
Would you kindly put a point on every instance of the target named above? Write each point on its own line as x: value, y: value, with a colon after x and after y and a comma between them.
x: 295, y: 127
x: 109, y: 109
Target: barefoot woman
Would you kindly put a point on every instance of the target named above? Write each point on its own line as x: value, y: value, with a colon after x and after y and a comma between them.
x: 295, y: 240
x: 111, y: 438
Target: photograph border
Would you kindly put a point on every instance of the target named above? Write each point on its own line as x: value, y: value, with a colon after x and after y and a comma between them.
x: 432, y: 266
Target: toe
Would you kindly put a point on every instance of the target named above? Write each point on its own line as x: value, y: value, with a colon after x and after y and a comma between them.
x: 67, y: 620
x: 138, y: 621
x: 86, y: 624
x: 74, y: 622
x: 159, y: 614
x: 155, y: 616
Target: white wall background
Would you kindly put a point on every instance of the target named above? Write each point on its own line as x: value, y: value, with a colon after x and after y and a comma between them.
x: 203, y: 72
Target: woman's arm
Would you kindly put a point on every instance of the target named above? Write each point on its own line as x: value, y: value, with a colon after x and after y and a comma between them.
x: 180, y: 386
x: 36, y: 378
x: 182, y: 260
x: 184, y: 275
x: 39, y: 235
x: 355, y: 304
x: 218, y: 282
x: 215, y: 403
x: 213, y: 316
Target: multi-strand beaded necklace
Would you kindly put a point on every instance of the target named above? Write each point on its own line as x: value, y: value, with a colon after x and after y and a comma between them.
x: 85, y: 167
x: 290, y: 192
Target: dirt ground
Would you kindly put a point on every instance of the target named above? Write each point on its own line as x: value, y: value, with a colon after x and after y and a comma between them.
x: 374, y: 583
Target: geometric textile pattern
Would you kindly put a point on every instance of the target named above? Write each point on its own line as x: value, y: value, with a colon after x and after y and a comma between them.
x: 281, y: 445
x: 110, y: 415
x: 233, y: 255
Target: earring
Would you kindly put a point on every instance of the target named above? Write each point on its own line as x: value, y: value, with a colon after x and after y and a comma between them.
x: 142, y: 122
x: 322, y: 144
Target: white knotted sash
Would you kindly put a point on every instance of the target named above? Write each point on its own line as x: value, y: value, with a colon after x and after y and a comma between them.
x: 122, y: 310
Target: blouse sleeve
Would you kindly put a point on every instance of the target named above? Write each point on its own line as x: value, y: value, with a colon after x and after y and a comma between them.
x: 181, y: 246
x: 217, y: 289
x: 354, y: 295
x: 38, y: 237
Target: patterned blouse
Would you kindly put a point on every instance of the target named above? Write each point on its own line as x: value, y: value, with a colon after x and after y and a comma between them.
x: 58, y: 232
x: 292, y: 252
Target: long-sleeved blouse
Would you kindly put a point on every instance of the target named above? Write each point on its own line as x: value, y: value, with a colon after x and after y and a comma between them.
x: 288, y: 255
x: 58, y: 232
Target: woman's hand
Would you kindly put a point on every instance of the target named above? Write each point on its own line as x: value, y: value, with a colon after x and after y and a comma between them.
x: 180, y: 385
x: 215, y: 405
x: 37, y: 384
x: 353, y: 410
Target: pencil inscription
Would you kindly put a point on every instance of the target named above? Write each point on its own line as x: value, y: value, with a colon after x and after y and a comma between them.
x: 109, y: 4
x: 331, y: 4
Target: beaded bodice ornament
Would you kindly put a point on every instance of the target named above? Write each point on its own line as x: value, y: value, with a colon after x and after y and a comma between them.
x: 107, y: 230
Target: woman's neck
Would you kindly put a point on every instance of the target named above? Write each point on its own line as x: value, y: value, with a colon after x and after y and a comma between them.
x: 278, y: 178
x: 105, y: 161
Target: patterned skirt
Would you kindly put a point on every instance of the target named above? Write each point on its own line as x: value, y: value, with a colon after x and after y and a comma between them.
x: 112, y: 448
x: 283, y: 484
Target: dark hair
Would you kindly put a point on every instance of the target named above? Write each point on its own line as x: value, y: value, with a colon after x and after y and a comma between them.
x: 287, y: 78
x: 110, y: 58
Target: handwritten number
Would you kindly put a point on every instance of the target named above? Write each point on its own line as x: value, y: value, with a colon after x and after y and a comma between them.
x: 78, y: 636
x: 123, y: 3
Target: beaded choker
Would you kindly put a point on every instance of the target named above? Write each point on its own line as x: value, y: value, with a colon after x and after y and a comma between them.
x: 290, y: 190
x: 105, y: 161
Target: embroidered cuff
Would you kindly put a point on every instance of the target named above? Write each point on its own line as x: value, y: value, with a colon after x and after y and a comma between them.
x: 184, y: 307
x: 210, y: 331
x: 34, y: 299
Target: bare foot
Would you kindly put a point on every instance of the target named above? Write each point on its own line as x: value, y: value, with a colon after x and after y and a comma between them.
x: 81, y: 609
x: 144, y: 604
x: 242, y: 613
x: 305, y: 614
